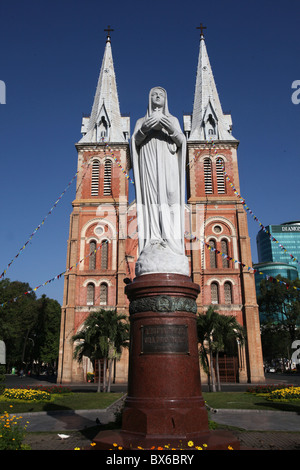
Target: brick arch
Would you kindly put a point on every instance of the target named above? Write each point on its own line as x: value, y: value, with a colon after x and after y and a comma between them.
x: 97, y: 221
x: 213, y: 158
x: 97, y: 282
x: 231, y: 237
x: 228, y: 228
x: 217, y: 156
x: 112, y: 240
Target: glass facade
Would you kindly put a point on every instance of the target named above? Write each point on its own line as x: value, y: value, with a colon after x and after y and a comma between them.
x: 287, y: 243
x: 274, y: 269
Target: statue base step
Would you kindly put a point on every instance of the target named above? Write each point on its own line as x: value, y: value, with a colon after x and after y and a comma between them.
x: 211, y: 440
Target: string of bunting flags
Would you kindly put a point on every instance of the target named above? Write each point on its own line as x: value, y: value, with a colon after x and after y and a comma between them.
x: 58, y: 276
x: 243, y: 201
x: 41, y: 224
x: 191, y: 237
x: 119, y: 165
x: 54, y: 206
x: 229, y: 258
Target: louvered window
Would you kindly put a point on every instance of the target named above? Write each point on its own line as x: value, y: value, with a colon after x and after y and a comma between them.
x: 224, y: 249
x: 220, y: 176
x: 103, y: 294
x: 212, y: 254
x: 90, y: 294
x: 92, y: 260
x: 214, y: 289
x: 107, y: 178
x: 228, y: 293
x: 95, y: 178
x: 104, y: 255
x: 208, y: 176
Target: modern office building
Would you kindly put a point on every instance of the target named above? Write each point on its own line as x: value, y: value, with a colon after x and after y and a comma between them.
x: 265, y: 270
x: 280, y: 244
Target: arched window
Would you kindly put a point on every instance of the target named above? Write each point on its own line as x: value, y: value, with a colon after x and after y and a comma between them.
x: 228, y: 293
x: 103, y: 293
x: 220, y: 176
x: 92, y: 257
x: 208, y: 176
x: 104, y: 254
x: 95, y: 178
x: 224, y: 249
x: 90, y: 294
x: 107, y: 178
x: 214, y: 290
x: 212, y: 254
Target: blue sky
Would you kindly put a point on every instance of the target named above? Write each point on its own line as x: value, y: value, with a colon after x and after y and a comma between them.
x: 50, y: 57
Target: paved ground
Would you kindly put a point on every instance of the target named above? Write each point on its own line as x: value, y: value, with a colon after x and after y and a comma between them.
x: 266, y: 430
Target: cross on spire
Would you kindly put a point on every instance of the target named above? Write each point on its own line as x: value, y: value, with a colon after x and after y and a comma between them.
x: 108, y: 30
x: 201, y: 27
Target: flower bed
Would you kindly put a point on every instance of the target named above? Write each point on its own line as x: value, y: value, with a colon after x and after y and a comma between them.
x: 257, y: 389
x: 25, y: 394
x: 285, y: 394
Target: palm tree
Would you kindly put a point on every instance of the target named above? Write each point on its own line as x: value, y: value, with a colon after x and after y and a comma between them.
x: 206, y: 324
x: 103, y: 335
x: 226, y: 331
x: 215, y: 332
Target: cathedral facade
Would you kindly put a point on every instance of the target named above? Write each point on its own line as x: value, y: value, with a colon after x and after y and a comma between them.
x: 103, y: 226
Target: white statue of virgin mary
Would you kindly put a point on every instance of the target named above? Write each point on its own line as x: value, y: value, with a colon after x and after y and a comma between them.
x: 158, y: 153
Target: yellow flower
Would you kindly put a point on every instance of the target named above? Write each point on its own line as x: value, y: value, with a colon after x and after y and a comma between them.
x: 190, y: 443
x: 230, y: 448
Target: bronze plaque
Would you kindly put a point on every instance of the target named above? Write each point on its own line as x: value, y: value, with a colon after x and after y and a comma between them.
x: 165, y: 339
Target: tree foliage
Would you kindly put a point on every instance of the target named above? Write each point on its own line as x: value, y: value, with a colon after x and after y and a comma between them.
x: 215, y: 334
x: 29, y: 326
x: 279, y: 306
x: 102, y: 336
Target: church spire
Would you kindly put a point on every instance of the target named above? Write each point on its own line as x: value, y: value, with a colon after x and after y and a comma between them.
x: 105, y: 123
x: 208, y: 120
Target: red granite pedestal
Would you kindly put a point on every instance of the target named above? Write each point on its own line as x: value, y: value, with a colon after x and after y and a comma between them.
x: 164, y: 405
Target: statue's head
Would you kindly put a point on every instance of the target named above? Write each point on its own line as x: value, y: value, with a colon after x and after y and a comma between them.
x: 158, y: 99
